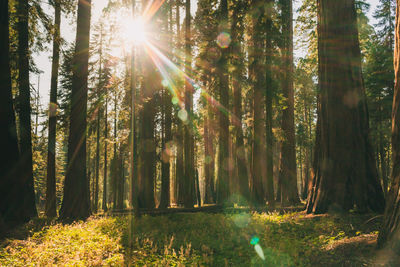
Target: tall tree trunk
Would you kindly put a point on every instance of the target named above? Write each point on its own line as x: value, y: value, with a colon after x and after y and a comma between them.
x: 257, y: 78
x: 237, y: 82
x: 288, y: 169
x: 167, y: 120
x: 345, y: 170
x: 12, y: 188
x: 105, y: 192
x: 25, y: 110
x: 223, y: 151
x: 188, y: 141
x: 269, y: 93
x: 50, y: 208
x: 75, y: 203
x: 389, y: 234
x: 97, y: 164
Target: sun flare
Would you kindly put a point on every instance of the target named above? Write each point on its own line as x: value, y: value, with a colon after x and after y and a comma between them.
x: 134, y: 31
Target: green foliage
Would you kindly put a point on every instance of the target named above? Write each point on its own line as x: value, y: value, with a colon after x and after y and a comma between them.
x: 291, y: 239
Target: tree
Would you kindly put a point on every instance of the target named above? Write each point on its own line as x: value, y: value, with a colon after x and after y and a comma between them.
x: 345, y: 173
x: 389, y: 234
x: 75, y: 203
x: 269, y: 93
x: 288, y: 169
x: 50, y: 209
x: 257, y: 78
x: 237, y: 58
x: 25, y: 137
x: 189, y: 172
x: 13, y: 207
x: 223, y: 79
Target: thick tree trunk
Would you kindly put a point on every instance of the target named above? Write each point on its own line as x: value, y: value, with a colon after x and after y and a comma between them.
x: 269, y: 93
x: 167, y: 133
x: 389, y: 235
x: 75, y: 203
x: 257, y: 78
x: 288, y: 169
x: 51, y: 209
x: 189, y: 174
x: 239, y: 153
x: 223, y: 150
x: 25, y: 139
x: 345, y: 171
x: 12, y: 188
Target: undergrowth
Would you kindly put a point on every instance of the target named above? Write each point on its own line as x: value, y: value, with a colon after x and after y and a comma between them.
x: 196, y: 239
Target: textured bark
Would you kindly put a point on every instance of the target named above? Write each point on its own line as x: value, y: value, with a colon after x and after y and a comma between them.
x: 50, y: 208
x: 288, y: 169
x: 345, y: 171
x: 75, y: 203
x: 12, y: 188
x: 209, y: 156
x: 223, y: 149
x: 167, y: 129
x: 25, y: 138
x: 239, y: 153
x: 256, y: 77
x: 165, y: 164
x: 269, y: 93
x: 188, y: 139
x: 389, y: 235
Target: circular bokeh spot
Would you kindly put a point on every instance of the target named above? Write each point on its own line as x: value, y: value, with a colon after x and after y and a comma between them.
x: 182, y: 114
x: 224, y: 40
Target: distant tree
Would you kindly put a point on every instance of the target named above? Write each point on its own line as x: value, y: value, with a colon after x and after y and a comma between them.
x: 75, y: 203
x: 345, y: 172
x: 51, y: 207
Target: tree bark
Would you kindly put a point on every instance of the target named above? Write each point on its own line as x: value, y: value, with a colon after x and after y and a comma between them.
x: 51, y: 207
x: 257, y: 78
x: 389, y: 235
x: 223, y: 193
x: 269, y: 93
x: 12, y: 188
x: 288, y: 169
x: 345, y: 175
x: 75, y: 203
x: 25, y: 138
x: 104, y: 203
x: 188, y: 139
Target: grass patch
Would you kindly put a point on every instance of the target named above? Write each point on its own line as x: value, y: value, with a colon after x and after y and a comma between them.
x: 197, y: 239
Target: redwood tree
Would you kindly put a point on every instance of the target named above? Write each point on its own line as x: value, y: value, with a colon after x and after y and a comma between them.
x: 13, y: 207
x: 389, y: 233
x: 288, y: 169
x: 345, y: 172
x: 25, y: 136
x: 75, y: 203
x: 51, y: 154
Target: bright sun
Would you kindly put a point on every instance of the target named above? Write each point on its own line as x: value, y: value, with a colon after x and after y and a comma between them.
x: 134, y: 31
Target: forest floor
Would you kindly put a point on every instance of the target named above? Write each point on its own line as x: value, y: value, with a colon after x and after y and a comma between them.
x: 199, y: 239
